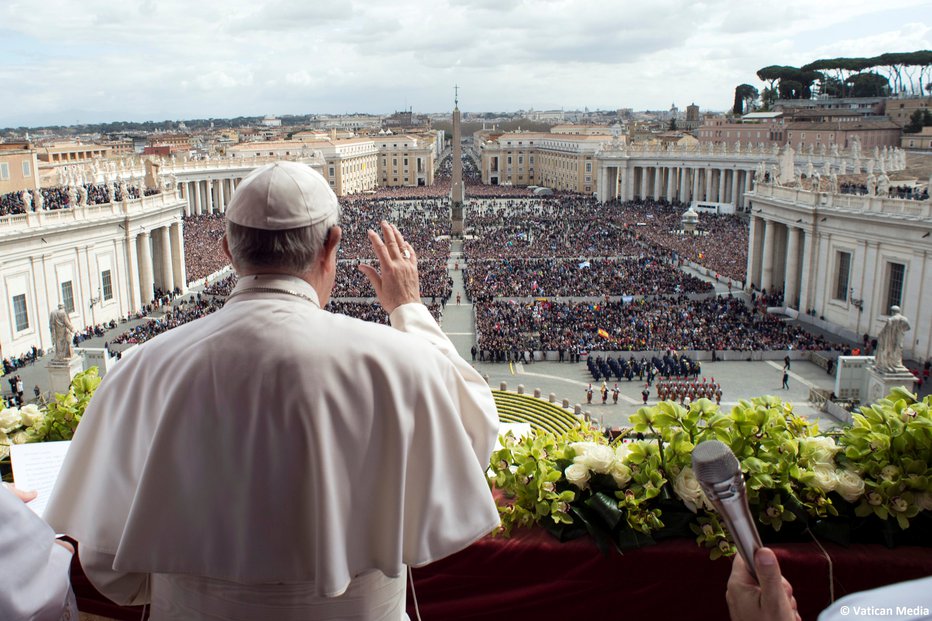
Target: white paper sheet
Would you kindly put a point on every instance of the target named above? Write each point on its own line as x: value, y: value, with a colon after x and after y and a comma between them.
x: 36, y: 467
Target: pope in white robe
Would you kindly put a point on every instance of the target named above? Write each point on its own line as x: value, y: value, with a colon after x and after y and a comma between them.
x: 277, y: 461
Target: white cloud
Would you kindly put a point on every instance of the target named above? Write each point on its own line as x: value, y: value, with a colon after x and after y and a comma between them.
x: 233, y: 57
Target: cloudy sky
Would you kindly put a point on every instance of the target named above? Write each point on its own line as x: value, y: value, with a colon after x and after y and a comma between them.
x: 65, y: 61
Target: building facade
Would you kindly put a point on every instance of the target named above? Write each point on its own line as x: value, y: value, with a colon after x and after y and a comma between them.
x: 406, y: 160
x: 19, y: 167
x: 814, y: 247
x: 102, y: 262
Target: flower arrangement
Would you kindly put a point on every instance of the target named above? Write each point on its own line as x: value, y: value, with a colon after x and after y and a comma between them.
x: 57, y: 421
x: 870, y: 481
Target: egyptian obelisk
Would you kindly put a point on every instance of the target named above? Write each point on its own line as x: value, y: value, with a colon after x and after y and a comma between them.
x: 457, y: 193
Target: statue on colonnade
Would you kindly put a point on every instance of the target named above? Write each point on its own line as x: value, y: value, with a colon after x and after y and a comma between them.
x: 787, y: 165
x: 27, y: 199
x: 62, y: 333
x: 889, y: 355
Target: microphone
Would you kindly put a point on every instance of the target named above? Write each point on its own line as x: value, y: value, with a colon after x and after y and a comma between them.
x: 719, y: 475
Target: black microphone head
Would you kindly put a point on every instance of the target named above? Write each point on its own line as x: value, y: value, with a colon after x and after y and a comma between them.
x: 714, y: 462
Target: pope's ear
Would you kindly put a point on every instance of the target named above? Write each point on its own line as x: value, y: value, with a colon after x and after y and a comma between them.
x: 332, y: 242
x: 225, y: 246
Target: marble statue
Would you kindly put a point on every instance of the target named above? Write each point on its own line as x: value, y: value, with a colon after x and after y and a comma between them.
x: 62, y: 333
x: 811, y: 150
x: 833, y: 183
x: 82, y: 196
x: 72, y: 196
x: 870, y: 166
x: 38, y: 201
x: 883, y: 185
x: 876, y: 152
x: 810, y: 169
x: 871, y: 184
x: 843, y: 168
x: 834, y: 149
x: 737, y: 146
x: 856, y: 148
x: 889, y: 354
x: 826, y: 169
x: 27, y: 199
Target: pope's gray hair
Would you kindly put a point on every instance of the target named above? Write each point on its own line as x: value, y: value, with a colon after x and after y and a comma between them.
x: 292, y: 250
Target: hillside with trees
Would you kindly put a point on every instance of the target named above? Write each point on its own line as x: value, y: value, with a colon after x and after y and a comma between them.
x: 895, y: 73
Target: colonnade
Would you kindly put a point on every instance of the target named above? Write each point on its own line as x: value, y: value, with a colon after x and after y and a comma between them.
x: 156, y: 260
x: 779, y: 258
x: 676, y: 182
x: 206, y: 196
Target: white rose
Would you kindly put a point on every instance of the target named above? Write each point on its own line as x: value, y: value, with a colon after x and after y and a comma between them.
x: 31, y: 414
x: 597, y: 457
x: 10, y: 419
x: 621, y: 452
x: 19, y: 437
x: 825, y: 478
x: 621, y: 473
x: 686, y: 486
x: 850, y: 485
x: 577, y: 474
x: 819, y: 450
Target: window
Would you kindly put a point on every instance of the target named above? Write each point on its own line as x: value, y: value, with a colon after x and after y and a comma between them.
x: 106, y: 285
x: 843, y: 261
x: 20, y: 316
x: 509, y: 159
x: 67, y: 296
x: 4, y: 171
x: 331, y: 171
x: 27, y: 169
x: 588, y: 167
x: 895, y: 285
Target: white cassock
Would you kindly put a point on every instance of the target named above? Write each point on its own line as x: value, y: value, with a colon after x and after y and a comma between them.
x: 34, y: 583
x: 277, y: 461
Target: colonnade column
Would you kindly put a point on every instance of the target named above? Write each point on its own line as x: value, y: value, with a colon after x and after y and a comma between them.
x: 695, y: 193
x: 643, y: 185
x: 766, y: 276
x: 670, y: 175
x: 146, y: 277
x: 791, y: 280
x: 196, y: 192
x: 168, y: 276
x: 806, y: 249
x: 132, y: 271
x: 178, y: 268
x: 734, y: 187
x: 682, y: 173
x: 658, y: 178
x: 221, y: 198
x: 721, y: 186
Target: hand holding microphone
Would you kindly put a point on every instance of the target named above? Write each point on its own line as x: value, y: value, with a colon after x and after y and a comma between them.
x: 756, y: 589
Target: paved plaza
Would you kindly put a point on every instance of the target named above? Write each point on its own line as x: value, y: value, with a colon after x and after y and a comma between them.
x: 739, y: 379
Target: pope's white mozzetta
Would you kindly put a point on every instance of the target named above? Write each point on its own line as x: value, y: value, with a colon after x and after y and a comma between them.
x: 274, y: 460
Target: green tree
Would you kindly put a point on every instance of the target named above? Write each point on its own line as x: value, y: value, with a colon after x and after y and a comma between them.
x: 868, y: 84
x: 745, y: 96
x: 672, y: 126
x: 918, y: 120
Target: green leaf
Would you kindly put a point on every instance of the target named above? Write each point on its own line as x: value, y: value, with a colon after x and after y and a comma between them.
x: 606, y: 507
